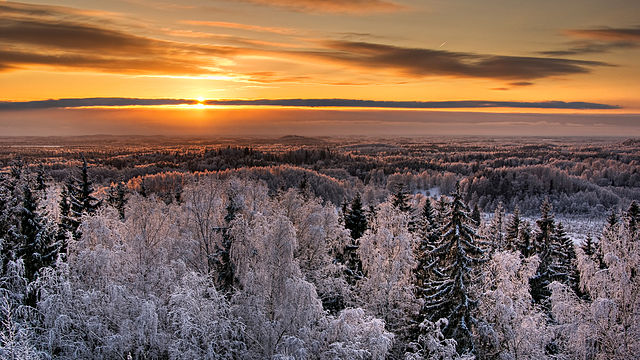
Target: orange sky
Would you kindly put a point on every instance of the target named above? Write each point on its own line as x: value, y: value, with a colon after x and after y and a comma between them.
x: 497, y: 50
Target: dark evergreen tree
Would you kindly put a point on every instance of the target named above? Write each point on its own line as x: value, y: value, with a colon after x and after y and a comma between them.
x: 566, y: 269
x: 355, y: 219
x: 356, y: 222
x: 543, y: 247
x: 475, y: 214
x: 428, y: 234
x: 41, y: 179
x: 37, y: 247
x: 588, y: 246
x: 633, y: 218
x: 400, y: 199
x: 80, y: 201
x: 117, y: 197
x: 448, y: 295
x: 546, y: 228
x: 222, y: 260
x: 525, y: 245
x: 512, y: 236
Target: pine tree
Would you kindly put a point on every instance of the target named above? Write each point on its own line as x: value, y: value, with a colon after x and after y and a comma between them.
x: 546, y: 227
x: 475, y: 214
x: 449, y: 295
x: 80, y: 199
x: 222, y: 261
x: 633, y: 218
x: 565, y: 257
x: 496, y: 229
x: 400, y: 200
x: 512, y: 237
x: 38, y: 247
x: 544, y: 248
x: 428, y: 233
x: 525, y: 245
x: 117, y: 197
x: 588, y: 246
x: 356, y: 222
x: 355, y: 219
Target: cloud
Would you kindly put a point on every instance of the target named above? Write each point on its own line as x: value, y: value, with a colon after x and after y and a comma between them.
x: 333, y: 6
x: 521, y: 83
x: 309, y: 103
x: 608, y: 34
x: 598, y: 40
x: 418, y: 62
x: 232, y: 25
x: 90, y: 102
x: 44, y: 35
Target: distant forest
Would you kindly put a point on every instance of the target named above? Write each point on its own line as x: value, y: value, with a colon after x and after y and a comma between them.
x: 580, y: 176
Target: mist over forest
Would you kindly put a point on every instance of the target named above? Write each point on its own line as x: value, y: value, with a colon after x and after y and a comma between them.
x: 156, y: 247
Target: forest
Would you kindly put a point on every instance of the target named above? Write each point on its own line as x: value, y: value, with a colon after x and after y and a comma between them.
x: 319, y: 248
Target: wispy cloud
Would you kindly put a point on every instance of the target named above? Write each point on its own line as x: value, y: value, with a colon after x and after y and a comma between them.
x: 239, y: 26
x: 419, y: 62
x: 598, y: 40
x: 308, y: 103
x: 608, y: 33
x: 45, y: 36
x: 334, y: 6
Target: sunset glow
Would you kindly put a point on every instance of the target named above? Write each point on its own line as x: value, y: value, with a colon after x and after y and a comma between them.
x: 403, y: 51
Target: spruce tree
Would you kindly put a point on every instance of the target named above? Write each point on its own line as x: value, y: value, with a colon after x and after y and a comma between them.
x: 512, y: 236
x: 37, y: 247
x: 222, y: 260
x: 400, y: 200
x: 117, y: 197
x: 525, y: 243
x: 546, y: 227
x: 543, y: 247
x: 355, y: 219
x: 565, y: 257
x: 80, y: 201
x: 428, y: 234
x: 633, y: 218
x: 459, y: 254
x: 475, y: 214
x: 496, y: 229
x: 588, y: 246
x: 356, y: 222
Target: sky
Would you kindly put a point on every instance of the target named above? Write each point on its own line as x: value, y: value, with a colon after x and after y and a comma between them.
x: 320, y: 67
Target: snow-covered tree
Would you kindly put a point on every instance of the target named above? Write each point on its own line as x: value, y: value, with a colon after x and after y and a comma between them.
x: 459, y: 252
x: 388, y: 263
x: 510, y: 326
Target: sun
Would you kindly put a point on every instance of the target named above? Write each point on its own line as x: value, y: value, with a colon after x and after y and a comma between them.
x: 200, y: 104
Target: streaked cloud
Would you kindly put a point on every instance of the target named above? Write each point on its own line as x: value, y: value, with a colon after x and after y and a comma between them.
x: 333, y: 6
x: 239, y: 26
x: 608, y: 33
x: 421, y: 62
x: 598, y: 40
x: 352, y: 103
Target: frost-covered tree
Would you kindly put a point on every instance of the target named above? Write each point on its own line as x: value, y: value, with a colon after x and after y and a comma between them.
x: 427, y: 236
x: 202, y: 323
x: 37, y: 246
x: 388, y: 263
x: 525, y: 244
x: 475, y: 214
x: 606, y: 325
x: 510, y: 326
x: 321, y: 240
x: 432, y: 344
x: 117, y: 197
x: 274, y: 302
x: 459, y: 251
x: 512, y: 236
x: 495, y: 229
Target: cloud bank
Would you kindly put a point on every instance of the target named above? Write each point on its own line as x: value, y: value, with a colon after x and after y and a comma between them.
x: 308, y: 103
